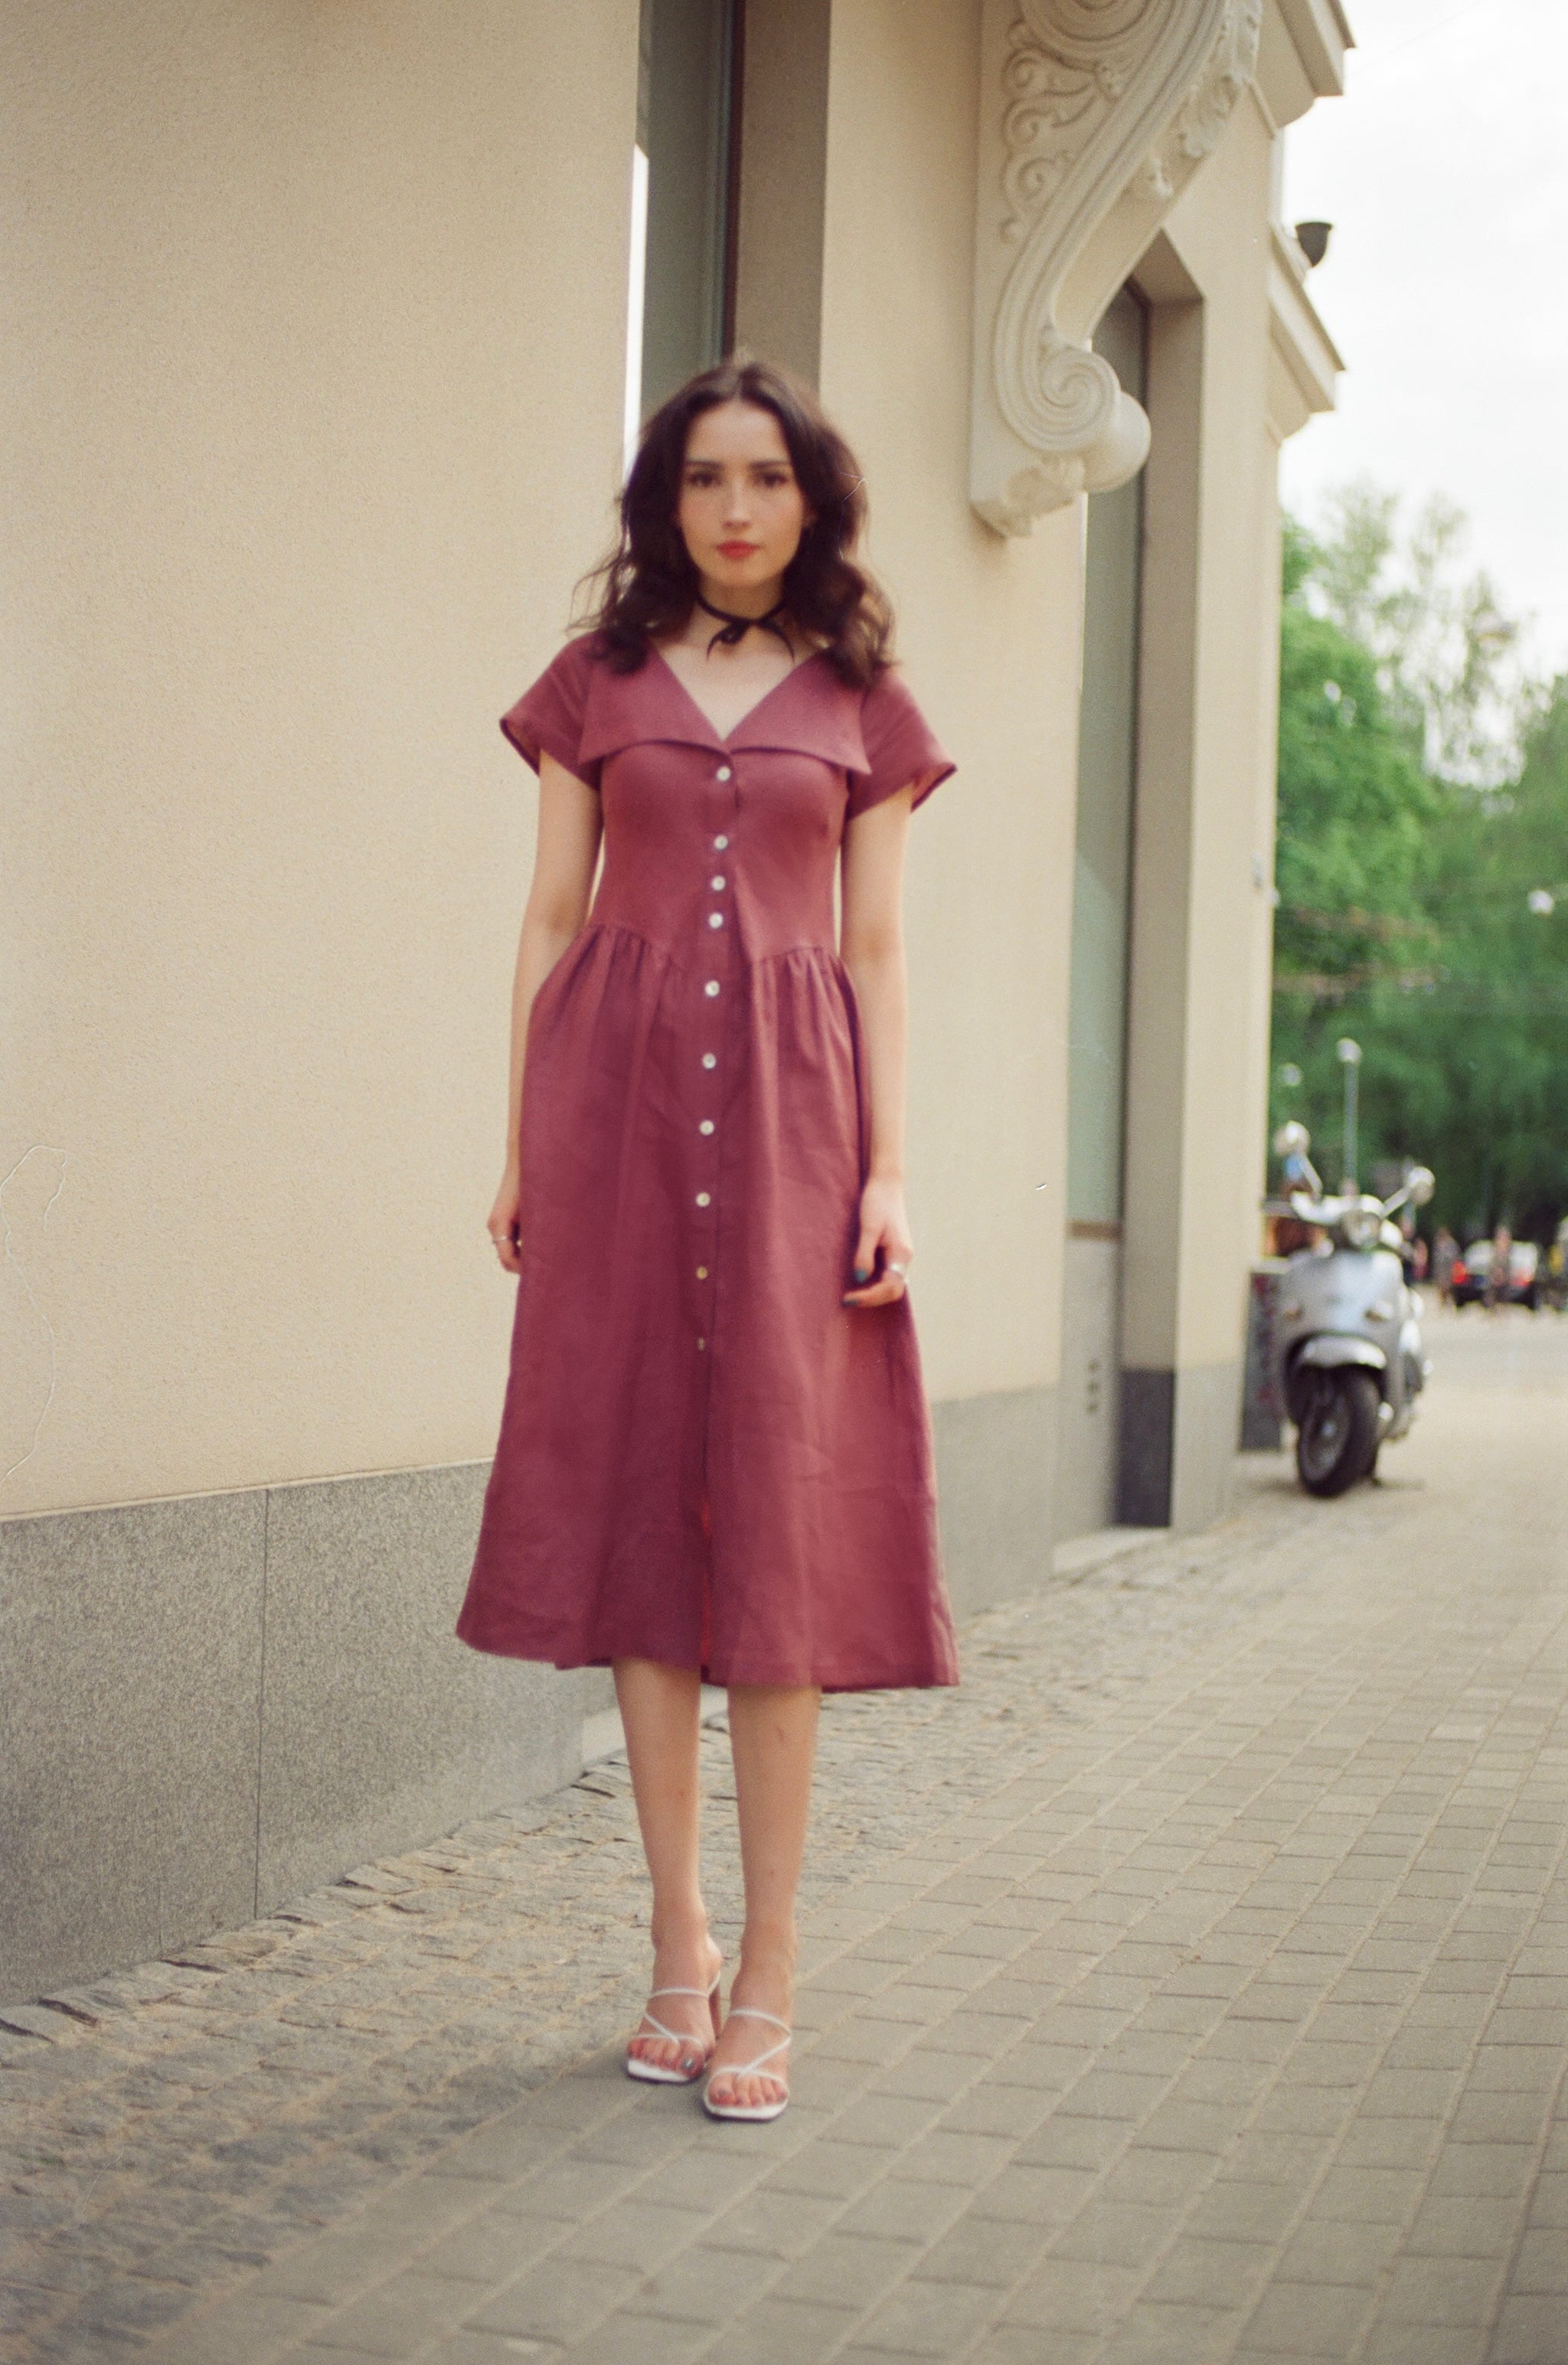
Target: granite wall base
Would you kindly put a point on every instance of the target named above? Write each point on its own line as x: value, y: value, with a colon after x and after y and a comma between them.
x: 995, y: 1473
x: 1144, y: 1465
x: 209, y: 1704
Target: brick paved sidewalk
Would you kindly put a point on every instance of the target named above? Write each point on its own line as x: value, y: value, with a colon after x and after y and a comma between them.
x: 1192, y: 1985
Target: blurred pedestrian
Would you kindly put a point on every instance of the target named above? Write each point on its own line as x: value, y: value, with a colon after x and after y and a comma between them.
x: 1500, y: 1272
x: 1557, y: 1272
x: 1445, y: 1256
x: 1291, y: 1236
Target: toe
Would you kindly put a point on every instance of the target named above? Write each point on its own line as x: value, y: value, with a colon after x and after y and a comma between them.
x: 734, y: 2093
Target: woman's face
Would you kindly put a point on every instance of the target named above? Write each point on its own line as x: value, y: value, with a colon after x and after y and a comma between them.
x: 741, y: 512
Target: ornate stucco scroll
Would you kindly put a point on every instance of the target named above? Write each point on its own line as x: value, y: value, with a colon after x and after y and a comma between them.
x: 1094, y: 115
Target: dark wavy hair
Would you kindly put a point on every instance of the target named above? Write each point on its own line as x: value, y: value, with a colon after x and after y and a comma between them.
x: 647, y: 586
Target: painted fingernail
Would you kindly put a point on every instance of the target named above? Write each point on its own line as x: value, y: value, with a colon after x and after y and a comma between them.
x: 862, y: 1272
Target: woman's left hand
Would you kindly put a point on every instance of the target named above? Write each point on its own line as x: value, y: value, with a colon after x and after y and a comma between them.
x: 884, y: 1226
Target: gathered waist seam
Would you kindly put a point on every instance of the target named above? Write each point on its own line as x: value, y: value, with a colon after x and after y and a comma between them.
x: 675, y: 956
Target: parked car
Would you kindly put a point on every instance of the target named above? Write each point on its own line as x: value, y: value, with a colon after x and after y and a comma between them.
x: 1472, y: 1274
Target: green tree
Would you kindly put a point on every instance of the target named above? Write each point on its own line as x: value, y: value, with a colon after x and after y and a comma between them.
x: 1422, y: 868
x: 1355, y: 803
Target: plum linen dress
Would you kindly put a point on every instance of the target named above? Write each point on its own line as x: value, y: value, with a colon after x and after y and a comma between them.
x: 705, y: 1458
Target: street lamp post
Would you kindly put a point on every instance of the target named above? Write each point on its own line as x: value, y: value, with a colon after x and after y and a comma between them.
x: 1348, y: 1054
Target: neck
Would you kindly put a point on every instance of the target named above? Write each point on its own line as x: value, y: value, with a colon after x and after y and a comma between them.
x: 741, y: 599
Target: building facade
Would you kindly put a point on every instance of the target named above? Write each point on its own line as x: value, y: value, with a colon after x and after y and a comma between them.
x: 329, y: 326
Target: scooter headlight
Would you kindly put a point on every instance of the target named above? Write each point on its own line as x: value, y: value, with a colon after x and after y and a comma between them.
x: 1361, y: 1225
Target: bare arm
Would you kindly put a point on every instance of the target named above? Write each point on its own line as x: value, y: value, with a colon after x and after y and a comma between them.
x: 871, y: 945
x: 564, y: 861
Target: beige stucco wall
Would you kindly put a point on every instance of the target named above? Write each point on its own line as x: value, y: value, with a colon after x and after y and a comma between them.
x: 313, y: 380
x: 989, y: 630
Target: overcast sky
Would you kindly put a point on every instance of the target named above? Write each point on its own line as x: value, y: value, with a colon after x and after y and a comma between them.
x: 1444, y: 170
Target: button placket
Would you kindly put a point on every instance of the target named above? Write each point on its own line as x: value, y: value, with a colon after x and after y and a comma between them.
x: 718, y: 966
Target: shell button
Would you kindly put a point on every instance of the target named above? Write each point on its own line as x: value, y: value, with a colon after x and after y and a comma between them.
x: 711, y: 987
x: 704, y: 1199
x: 710, y: 1058
x: 724, y: 773
x: 706, y: 1125
x: 720, y: 843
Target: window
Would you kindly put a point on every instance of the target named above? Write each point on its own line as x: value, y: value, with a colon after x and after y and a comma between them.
x: 1106, y: 773
x: 682, y: 201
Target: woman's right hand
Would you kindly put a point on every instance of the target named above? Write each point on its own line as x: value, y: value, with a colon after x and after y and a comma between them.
x: 504, y: 1222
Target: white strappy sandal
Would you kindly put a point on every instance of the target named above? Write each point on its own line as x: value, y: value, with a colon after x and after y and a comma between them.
x: 652, y: 2073
x: 750, y: 2069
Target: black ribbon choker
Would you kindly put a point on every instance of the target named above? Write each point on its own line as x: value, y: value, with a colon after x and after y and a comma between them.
x: 732, y: 630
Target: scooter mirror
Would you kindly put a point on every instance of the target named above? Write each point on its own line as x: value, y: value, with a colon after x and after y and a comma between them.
x: 1419, y: 1186
x: 1292, y: 1137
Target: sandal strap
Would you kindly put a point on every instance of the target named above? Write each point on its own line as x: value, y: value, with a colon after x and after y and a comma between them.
x: 658, y: 2028
x: 751, y: 2069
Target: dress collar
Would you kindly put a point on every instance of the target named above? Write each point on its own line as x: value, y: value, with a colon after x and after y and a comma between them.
x: 810, y: 712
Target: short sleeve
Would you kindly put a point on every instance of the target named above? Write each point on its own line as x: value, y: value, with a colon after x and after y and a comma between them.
x: 899, y: 747
x: 548, y: 718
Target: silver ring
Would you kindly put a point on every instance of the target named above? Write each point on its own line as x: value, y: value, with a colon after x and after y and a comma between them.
x: 901, y: 1270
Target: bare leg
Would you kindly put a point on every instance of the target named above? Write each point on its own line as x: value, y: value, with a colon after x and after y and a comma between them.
x: 659, y: 1711
x: 773, y: 1733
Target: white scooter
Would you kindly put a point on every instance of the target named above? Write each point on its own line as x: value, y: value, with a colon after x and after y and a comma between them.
x: 1348, y: 1363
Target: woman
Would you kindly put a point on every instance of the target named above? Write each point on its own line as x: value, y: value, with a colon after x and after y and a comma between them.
x: 714, y: 1460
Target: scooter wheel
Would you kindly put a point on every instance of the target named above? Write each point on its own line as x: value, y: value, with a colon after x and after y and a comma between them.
x: 1337, y: 1440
